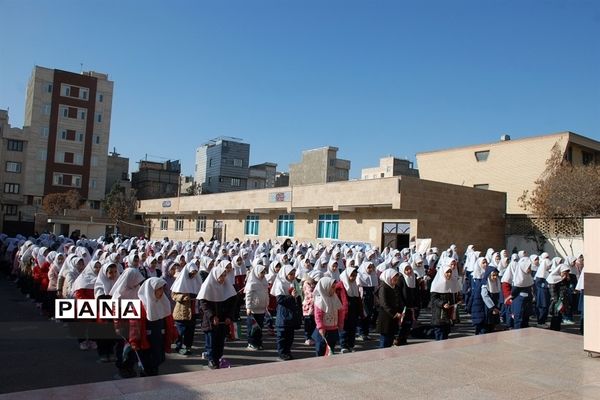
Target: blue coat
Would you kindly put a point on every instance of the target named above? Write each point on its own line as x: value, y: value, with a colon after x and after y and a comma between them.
x: 478, y: 311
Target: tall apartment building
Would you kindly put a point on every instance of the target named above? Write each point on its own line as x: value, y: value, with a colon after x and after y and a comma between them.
x: 155, y: 179
x: 319, y: 166
x: 68, y: 116
x: 62, y: 146
x: 222, y: 165
x: 262, y: 176
x: 390, y: 166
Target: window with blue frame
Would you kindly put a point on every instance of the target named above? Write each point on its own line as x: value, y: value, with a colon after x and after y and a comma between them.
x: 285, y: 225
x: 251, y: 227
x: 328, y: 226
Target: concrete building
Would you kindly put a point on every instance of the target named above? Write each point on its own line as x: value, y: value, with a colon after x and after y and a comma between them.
x: 117, y: 172
x: 319, y: 166
x: 222, y: 165
x: 390, y: 211
x: 390, y: 166
x: 510, y: 166
x: 185, y: 184
x: 156, y: 179
x: 262, y: 176
x: 282, y: 179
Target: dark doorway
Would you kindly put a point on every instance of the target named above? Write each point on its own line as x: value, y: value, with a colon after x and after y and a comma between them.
x: 395, y: 235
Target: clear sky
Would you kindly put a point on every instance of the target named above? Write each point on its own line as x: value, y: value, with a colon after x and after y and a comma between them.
x: 373, y: 78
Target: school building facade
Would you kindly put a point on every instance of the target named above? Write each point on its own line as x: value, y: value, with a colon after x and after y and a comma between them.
x: 389, y: 211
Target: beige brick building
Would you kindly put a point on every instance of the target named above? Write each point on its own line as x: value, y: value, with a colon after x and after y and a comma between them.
x: 319, y: 166
x: 510, y: 166
x: 389, y: 211
x: 390, y: 166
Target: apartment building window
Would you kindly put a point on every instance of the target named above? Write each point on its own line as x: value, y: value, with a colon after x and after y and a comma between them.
x: 77, y: 181
x: 328, y: 226
x: 237, y: 162
x: 201, y: 224
x: 13, y: 166
x: 94, y: 161
x: 66, y: 91
x: 164, y: 224
x: 482, y: 155
x: 94, y: 204
x: 44, y: 132
x: 93, y: 183
x: 331, y: 162
x: 484, y: 186
x: 81, y: 114
x: 210, y: 162
x: 587, y: 158
x: 80, y: 136
x: 179, y: 224
x: 46, y: 109
x: 251, y: 225
x: 49, y: 88
x: 236, y: 182
x: 79, y: 159
x: 12, y: 188
x: 99, y: 117
x: 84, y: 94
x: 14, y: 145
x: 100, y: 97
x: 97, y: 139
x: 10, y: 209
x: 285, y: 225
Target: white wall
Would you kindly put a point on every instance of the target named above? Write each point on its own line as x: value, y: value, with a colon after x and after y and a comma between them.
x: 561, y: 247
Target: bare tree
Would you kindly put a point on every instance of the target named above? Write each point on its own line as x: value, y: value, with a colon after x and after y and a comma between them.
x: 56, y: 203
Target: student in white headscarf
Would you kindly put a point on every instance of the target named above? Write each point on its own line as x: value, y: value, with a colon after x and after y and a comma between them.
x: 390, y: 308
x: 333, y: 270
x: 490, y: 293
x: 184, y: 292
x: 83, y: 289
x: 154, y: 331
x: 329, y: 316
x: 409, y: 297
x: 256, y: 291
x: 126, y: 288
x: 367, y: 282
x: 289, y: 306
x: 217, y: 299
x: 522, y: 293
x: 348, y: 292
x: 542, y: 294
x: 107, y: 277
x: 444, y: 301
x: 558, y: 285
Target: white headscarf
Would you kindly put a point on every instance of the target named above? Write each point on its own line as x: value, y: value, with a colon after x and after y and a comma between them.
x: 328, y: 304
x: 214, y: 291
x: 87, y: 278
x: 442, y: 285
x: 544, y: 267
x: 387, y: 275
x: 364, y: 278
x: 272, y: 275
x: 254, y: 282
x: 555, y: 275
x: 281, y: 286
x: 126, y: 287
x: 579, y: 286
x: 155, y: 308
x: 334, y: 274
x: 492, y: 286
x: 418, y: 270
x: 478, y: 270
x: 521, y: 277
x: 410, y: 280
x: 103, y: 284
x: 185, y: 284
x: 351, y: 287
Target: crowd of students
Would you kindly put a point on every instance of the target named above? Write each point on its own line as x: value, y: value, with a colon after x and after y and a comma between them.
x: 338, y: 293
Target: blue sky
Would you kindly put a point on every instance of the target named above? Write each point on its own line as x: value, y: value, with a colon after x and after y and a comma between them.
x: 373, y: 78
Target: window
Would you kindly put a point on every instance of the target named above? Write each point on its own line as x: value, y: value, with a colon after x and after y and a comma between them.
x: 235, y: 182
x: 482, y: 155
x: 97, y: 139
x: 94, y: 161
x: 77, y: 181
x: 285, y: 225
x: 251, y: 226
x: 42, y: 155
x: 14, y: 145
x: 342, y: 173
x: 46, y: 109
x: 84, y: 94
x: 100, y: 97
x: 57, y: 179
x: 10, y: 209
x: 44, y: 132
x: 201, y: 224
x: 210, y: 162
x: 328, y: 226
x: 94, y: 204
x: 164, y: 224
x: 179, y: 224
x: 238, y: 162
x: 93, y: 183
x: 12, y: 166
x: 99, y: 117
x: 80, y: 136
x: 382, y: 175
x: 332, y: 162
x: 12, y: 188
x: 587, y: 158
x: 388, y: 169
x: 65, y: 111
x: 82, y: 114
x: 49, y: 88
x: 79, y: 159
x: 66, y: 90
x: 66, y: 157
x: 484, y: 186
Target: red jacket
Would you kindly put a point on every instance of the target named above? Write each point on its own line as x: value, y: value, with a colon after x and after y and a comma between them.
x: 506, y: 291
x: 140, y: 341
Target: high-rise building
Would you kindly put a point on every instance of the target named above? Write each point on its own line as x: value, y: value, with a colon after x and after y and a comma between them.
x: 222, y: 165
x: 390, y: 166
x: 319, y: 166
x: 68, y: 116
